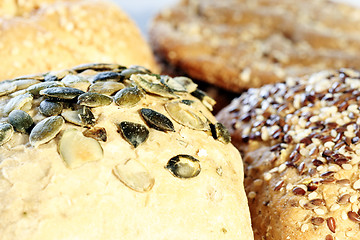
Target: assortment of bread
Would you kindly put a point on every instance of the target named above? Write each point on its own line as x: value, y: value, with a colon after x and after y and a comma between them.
x: 113, y: 150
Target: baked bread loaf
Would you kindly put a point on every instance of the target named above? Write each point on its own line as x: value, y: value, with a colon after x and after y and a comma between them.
x: 62, y: 34
x: 300, y: 144
x: 237, y: 44
x: 101, y: 151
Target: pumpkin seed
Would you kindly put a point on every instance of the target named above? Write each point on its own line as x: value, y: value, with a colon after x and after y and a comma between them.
x: 220, y: 132
x: 36, y: 88
x: 40, y: 77
x: 58, y: 75
x: 61, y: 92
x: 126, y: 73
x: 188, y: 84
x: 82, y: 117
x: 107, y: 76
x: 97, y: 133
x: 157, y: 120
x: 152, y: 85
x: 97, y: 67
x: 128, y: 97
x: 6, y: 132
x: 107, y: 88
x: 91, y: 99
x: 179, y: 84
x: 76, y: 81
x: 186, y: 115
x: 46, y: 130
x: 205, y: 99
x: 184, y: 166
x: 76, y: 149
x: 134, y: 175
x: 20, y: 102
x: 7, y: 87
x: 134, y: 133
x: 25, y: 83
x: 50, y: 108
x: 20, y: 120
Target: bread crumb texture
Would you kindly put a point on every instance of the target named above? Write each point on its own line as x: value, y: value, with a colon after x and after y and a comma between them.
x: 301, y: 146
x: 101, y: 151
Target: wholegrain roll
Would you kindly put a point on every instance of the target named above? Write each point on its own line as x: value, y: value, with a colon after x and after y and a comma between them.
x: 51, y: 35
x: 101, y: 151
x: 239, y: 44
x: 300, y: 143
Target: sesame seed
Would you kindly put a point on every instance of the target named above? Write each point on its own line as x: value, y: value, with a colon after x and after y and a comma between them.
x: 329, y: 144
x: 319, y: 168
x: 267, y: 176
x: 333, y: 168
x: 302, y: 202
x: 344, y: 216
x: 304, y: 227
x: 282, y: 167
x: 334, y: 207
x: 350, y: 233
x: 252, y: 195
x: 312, y: 195
x: 346, y: 166
x: 304, y: 152
x: 258, y: 182
x: 333, y: 133
x: 353, y: 199
x: 319, y: 211
x: 343, y: 190
x: 356, y: 185
x: 354, y: 207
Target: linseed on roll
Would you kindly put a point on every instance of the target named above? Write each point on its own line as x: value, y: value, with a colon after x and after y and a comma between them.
x: 300, y: 144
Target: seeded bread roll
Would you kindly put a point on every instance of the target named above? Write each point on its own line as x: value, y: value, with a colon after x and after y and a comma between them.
x: 238, y: 44
x: 300, y: 143
x: 12, y: 8
x: 65, y: 33
x: 101, y: 151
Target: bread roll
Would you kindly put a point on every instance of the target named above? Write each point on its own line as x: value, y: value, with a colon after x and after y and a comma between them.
x: 238, y: 44
x: 61, y: 34
x: 300, y: 144
x: 101, y: 151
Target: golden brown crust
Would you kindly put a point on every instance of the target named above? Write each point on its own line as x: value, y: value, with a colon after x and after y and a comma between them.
x: 300, y: 144
x: 68, y: 33
x: 241, y: 44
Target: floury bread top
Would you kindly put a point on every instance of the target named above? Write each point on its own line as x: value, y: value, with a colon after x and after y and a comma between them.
x: 101, y: 151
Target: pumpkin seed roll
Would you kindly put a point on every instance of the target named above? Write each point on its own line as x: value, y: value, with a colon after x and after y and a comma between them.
x: 42, y: 35
x: 301, y: 146
x: 101, y: 151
